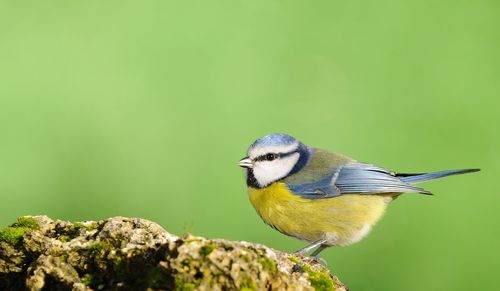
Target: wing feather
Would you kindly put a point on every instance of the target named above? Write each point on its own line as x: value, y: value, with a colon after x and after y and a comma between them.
x: 355, y: 178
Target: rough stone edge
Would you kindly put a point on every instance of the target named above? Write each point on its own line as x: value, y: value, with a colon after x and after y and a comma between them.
x: 121, y: 253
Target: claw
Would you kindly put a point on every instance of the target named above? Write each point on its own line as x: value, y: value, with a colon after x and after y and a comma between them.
x: 319, y: 261
x: 299, y: 253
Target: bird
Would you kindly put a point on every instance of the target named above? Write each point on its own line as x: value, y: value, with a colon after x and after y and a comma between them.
x: 319, y: 196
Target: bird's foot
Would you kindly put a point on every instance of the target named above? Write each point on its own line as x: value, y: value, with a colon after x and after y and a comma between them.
x: 319, y: 260
x: 299, y: 253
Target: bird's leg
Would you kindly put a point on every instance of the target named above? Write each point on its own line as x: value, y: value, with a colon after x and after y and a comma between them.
x: 318, y: 250
x: 306, y: 249
x: 315, y: 254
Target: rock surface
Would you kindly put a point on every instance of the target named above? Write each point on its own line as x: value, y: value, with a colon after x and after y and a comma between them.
x: 119, y: 253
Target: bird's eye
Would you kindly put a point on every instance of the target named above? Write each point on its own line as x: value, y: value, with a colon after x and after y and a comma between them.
x: 271, y: 157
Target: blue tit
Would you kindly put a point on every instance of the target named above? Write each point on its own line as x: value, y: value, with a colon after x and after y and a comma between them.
x: 324, y: 198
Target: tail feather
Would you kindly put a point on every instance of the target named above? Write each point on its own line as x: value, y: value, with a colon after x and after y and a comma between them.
x: 419, y: 178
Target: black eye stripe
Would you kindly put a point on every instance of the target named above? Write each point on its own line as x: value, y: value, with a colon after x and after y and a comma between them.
x: 276, y: 156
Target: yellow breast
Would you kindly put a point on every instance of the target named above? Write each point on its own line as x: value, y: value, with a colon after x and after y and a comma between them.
x: 342, y: 220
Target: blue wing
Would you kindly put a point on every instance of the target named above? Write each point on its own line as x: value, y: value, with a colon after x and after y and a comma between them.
x: 355, y: 178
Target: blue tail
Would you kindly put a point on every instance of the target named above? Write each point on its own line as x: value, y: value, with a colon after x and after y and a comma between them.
x: 419, y: 178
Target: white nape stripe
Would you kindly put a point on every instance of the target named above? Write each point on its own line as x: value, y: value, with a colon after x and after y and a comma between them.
x: 259, y: 151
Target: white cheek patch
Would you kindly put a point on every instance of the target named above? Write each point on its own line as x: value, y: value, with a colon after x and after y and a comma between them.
x: 267, y: 172
x: 256, y: 152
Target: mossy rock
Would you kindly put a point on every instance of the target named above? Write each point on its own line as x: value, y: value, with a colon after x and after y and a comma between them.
x: 14, y: 234
x: 38, y: 253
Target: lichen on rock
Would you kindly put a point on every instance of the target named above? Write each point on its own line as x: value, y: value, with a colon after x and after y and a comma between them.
x: 38, y: 253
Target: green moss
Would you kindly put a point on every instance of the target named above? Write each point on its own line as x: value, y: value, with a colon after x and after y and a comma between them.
x: 87, y: 226
x: 180, y: 285
x: 92, y: 226
x: 14, y: 234
x: 186, y: 262
x: 247, y: 284
x: 268, y: 264
x: 245, y: 257
x: 26, y: 222
x: 320, y: 280
x: 88, y: 279
x: 295, y: 260
x: 118, y: 261
x: 73, y: 230
x: 95, y: 281
x: 64, y: 238
x: 68, y: 233
x: 207, y: 249
x: 99, y: 248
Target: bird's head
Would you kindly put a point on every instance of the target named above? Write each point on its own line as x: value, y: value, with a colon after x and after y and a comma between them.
x: 272, y: 158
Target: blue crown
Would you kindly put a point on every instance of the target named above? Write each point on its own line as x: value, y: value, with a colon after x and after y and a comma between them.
x: 274, y: 139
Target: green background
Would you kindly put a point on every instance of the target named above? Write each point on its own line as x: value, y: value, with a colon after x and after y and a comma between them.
x: 143, y: 109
